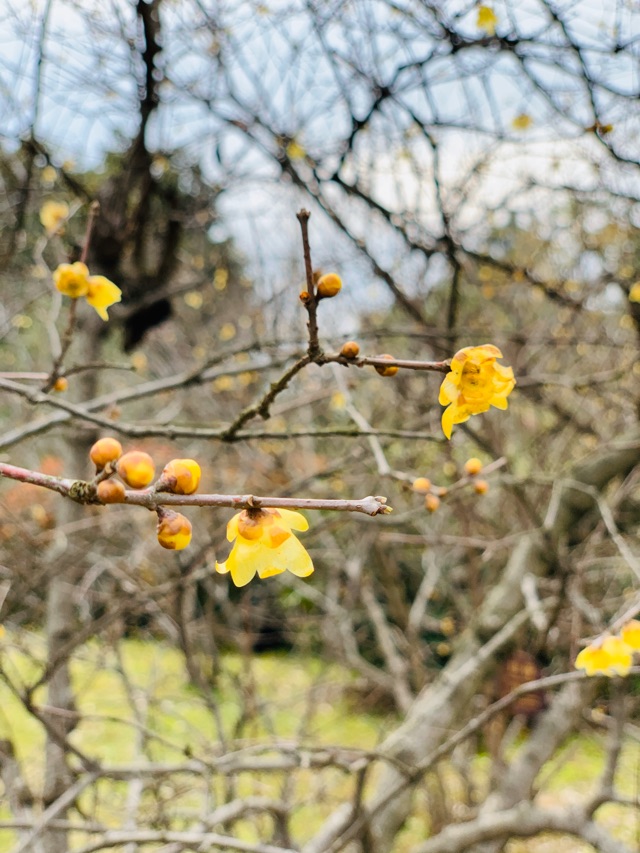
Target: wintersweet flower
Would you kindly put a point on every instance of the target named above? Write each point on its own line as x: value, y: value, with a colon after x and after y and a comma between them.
x: 264, y: 544
x: 102, y: 294
x: 74, y: 281
x: 631, y: 635
x: 609, y: 656
x: 487, y: 20
x: 52, y: 215
x: 474, y: 383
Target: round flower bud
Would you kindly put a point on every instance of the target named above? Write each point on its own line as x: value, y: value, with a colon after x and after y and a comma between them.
x: 431, y: 502
x: 329, y: 285
x: 136, y: 468
x: 421, y: 484
x: 386, y: 371
x: 181, y: 476
x: 110, y: 492
x: 61, y: 384
x: 174, y: 530
x: 105, y: 450
x: 350, y: 349
x: 304, y: 295
x: 473, y: 466
x: 481, y: 487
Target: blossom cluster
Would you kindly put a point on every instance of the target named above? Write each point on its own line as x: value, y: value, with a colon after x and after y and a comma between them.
x: 137, y: 469
x: 611, y: 654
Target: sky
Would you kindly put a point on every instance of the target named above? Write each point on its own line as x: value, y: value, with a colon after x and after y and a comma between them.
x: 248, y: 58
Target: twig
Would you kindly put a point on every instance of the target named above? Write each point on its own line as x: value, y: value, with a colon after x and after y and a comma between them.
x: 310, y: 301
x: 84, y: 492
x: 67, y: 335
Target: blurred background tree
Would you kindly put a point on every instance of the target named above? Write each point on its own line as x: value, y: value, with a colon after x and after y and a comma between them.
x: 472, y: 172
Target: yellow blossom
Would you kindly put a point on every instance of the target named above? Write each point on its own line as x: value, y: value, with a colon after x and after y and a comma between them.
x: 52, y: 215
x: 486, y: 20
x: 521, y: 122
x: 72, y: 279
x: 295, y: 151
x: 102, y: 294
x: 634, y: 293
x: 264, y: 544
x: 631, y: 635
x: 608, y: 656
x: 474, y: 383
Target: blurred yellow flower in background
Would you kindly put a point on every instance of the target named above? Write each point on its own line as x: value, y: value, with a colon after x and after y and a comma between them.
x: 102, y: 294
x: 611, y: 656
x: 487, y: 20
x: 630, y: 634
x: 74, y: 281
x: 52, y: 215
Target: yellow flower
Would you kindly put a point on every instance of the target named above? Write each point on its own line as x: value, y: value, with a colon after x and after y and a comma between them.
x: 264, y: 544
x: 611, y: 656
x: 475, y: 383
x: 102, y: 294
x: 634, y: 293
x: 52, y: 215
x: 72, y: 279
x: 631, y: 634
x: 486, y: 20
x: 521, y: 122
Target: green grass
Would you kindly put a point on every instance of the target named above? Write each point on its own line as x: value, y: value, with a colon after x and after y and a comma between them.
x: 138, y: 706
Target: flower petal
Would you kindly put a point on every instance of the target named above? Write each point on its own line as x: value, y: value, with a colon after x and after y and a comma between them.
x: 102, y: 294
x: 294, y: 520
x: 232, y: 527
x: 243, y: 562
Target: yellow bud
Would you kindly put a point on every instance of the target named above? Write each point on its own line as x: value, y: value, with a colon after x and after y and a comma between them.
x: 110, y: 492
x: 174, y: 530
x: 329, y: 285
x: 481, y: 487
x: 447, y: 626
x: 350, y: 349
x: 61, y: 384
x: 473, y: 466
x: 136, y: 468
x: 421, y: 484
x: 181, y: 476
x: 105, y: 450
x: 251, y: 526
x: 386, y: 371
x: 431, y: 503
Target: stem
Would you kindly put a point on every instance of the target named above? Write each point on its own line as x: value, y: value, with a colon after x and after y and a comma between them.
x: 151, y: 499
x: 67, y: 336
x: 310, y: 302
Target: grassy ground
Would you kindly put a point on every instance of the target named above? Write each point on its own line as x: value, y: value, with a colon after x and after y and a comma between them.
x: 137, y: 706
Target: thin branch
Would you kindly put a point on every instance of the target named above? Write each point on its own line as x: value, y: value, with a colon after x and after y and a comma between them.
x: 82, y: 491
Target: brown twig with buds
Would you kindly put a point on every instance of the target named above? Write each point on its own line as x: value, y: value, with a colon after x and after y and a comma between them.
x: 84, y: 492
